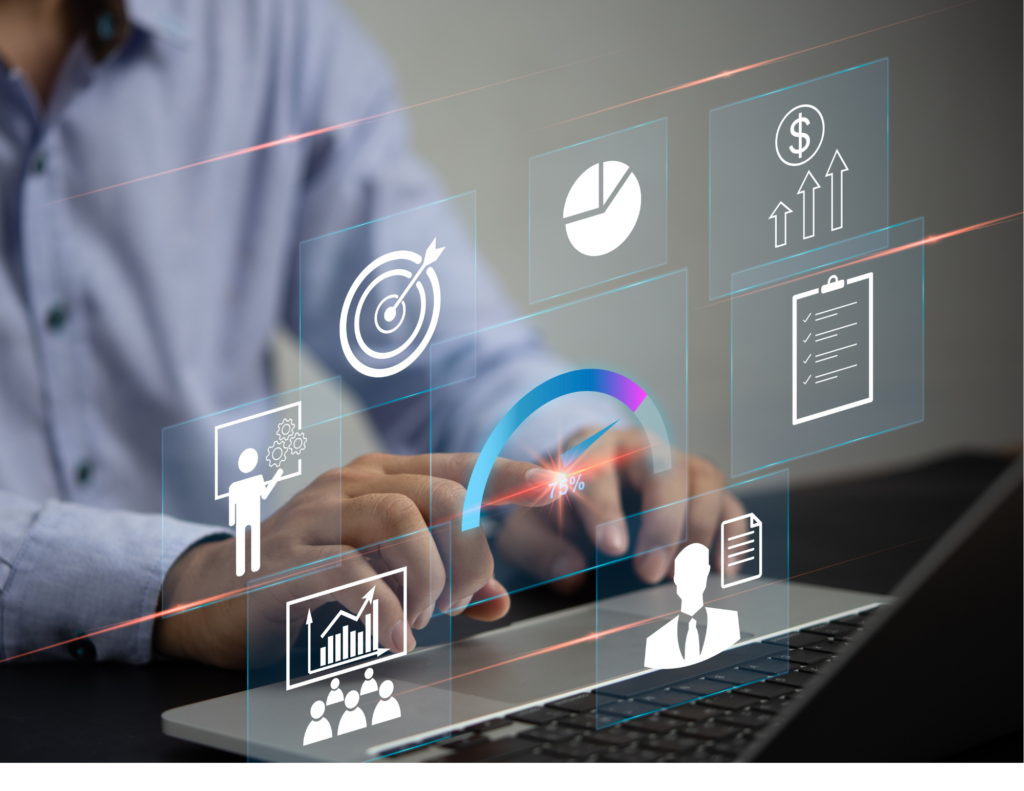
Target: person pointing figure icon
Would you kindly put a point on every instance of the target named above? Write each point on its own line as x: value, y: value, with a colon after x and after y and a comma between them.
x: 244, y: 498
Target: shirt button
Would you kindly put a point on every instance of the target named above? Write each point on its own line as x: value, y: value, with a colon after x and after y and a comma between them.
x: 83, y: 472
x: 57, y: 317
x: 83, y: 649
x: 39, y: 165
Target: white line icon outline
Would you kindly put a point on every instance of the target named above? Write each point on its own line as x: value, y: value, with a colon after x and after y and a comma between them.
x: 757, y: 540
x: 216, y: 445
x: 869, y: 277
x: 289, y: 684
x: 778, y: 131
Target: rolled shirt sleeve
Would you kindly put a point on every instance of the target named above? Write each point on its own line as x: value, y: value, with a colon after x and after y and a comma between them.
x: 68, y: 569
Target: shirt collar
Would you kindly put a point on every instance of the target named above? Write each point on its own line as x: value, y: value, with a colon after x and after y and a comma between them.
x: 160, y: 18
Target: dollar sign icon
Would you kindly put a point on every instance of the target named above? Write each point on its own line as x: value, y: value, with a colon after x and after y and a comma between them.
x: 803, y: 140
x: 806, y: 127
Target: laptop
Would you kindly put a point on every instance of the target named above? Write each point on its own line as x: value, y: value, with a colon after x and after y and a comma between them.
x: 853, y: 676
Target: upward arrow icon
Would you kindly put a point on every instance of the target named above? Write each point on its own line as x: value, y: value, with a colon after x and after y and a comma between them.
x: 831, y: 175
x: 786, y: 211
x: 802, y: 192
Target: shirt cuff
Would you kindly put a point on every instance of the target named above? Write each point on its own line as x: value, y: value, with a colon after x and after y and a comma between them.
x: 95, y: 572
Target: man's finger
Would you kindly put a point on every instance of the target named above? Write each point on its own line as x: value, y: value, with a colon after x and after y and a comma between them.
x: 599, y: 505
x: 489, y: 603
x: 528, y: 541
x: 352, y: 566
x: 663, y: 502
x: 391, y: 524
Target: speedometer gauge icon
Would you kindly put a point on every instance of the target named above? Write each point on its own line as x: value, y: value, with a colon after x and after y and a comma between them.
x: 398, y: 331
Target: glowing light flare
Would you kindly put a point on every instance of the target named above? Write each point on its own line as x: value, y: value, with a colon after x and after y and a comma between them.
x: 880, y: 254
x: 730, y: 72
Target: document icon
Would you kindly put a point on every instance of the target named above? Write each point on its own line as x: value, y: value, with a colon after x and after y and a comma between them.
x: 833, y: 348
x: 741, y: 551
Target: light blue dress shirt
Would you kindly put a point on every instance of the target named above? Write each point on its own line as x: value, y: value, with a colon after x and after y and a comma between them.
x: 130, y: 309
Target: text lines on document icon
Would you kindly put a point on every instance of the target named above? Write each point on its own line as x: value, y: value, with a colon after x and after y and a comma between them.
x: 740, y: 544
x: 833, y: 348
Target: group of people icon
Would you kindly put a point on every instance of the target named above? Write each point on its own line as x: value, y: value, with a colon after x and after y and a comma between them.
x: 354, y: 718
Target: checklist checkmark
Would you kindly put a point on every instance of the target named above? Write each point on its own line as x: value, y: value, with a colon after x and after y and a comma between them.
x: 807, y: 380
x: 808, y: 358
x: 809, y: 334
x: 808, y: 316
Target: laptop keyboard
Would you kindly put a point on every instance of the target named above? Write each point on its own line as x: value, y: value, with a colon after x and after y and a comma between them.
x: 687, y: 714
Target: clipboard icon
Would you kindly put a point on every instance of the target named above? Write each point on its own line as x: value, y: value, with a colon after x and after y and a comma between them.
x: 833, y: 347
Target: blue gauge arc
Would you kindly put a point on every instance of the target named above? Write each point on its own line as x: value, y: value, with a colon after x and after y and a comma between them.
x: 587, y: 380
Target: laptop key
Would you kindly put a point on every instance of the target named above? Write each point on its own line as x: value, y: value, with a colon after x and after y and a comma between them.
x: 828, y: 646
x: 583, y: 703
x: 459, y: 740
x: 692, y: 712
x: 728, y: 700
x: 629, y: 708
x: 831, y: 629
x: 855, y: 620
x: 712, y: 730
x: 736, y: 676
x: 769, y: 666
x: 794, y: 679
x: 669, y: 698
x: 672, y: 744
x: 538, y: 716
x: 774, y: 706
x: 793, y: 640
x: 614, y: 737
x: 589, y: 722
x: 745, y: 719
x: 550, y: 733
x: 577, y: 751
x: 654, y: 724
x: 765, y: 691
x: 701, y: 686
x: 804, y: 657
x: 490, y: 725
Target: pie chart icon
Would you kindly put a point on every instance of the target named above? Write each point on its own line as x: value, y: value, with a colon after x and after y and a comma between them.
x: 602, y: 208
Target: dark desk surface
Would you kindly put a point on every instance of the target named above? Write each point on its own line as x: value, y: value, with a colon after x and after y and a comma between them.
x: 82, y: 712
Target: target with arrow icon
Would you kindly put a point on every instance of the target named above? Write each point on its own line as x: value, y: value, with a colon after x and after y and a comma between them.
x: 399, y: 331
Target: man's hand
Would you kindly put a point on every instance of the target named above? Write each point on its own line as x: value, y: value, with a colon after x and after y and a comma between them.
x: 355, y: 522
x: 540, y: 540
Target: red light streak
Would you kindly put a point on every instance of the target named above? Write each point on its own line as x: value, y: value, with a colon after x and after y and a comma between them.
x: 324, y: 130
x: 909, y: 246
x: 741, y: 69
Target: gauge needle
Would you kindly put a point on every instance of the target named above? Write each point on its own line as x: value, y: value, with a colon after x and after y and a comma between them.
x: 580, y: 448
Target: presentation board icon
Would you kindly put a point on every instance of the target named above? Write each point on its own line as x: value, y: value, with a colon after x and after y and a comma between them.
x: 255, y: 453
x: 833, y: 347
x: 347, y: 641
x: 741, y: 547
x: 602, y: 208
x: 396, y: 332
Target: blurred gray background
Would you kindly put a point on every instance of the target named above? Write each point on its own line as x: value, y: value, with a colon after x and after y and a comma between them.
x: 955, y: 159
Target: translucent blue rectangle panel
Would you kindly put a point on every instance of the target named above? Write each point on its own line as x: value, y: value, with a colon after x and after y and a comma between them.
x: 798, y: 178
x: 374, y: 297
x: 598, y: 210
x: 729, y: 576
x: 347, y: 686
x: 216, y: 468
x: 643, y: 393
x: 829, y: 357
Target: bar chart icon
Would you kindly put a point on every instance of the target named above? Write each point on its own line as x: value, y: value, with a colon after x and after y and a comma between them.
x: 740, y: 545
x: 349, y: 641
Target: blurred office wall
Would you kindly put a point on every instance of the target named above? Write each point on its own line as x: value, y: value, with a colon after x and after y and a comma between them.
x: 955, y: 159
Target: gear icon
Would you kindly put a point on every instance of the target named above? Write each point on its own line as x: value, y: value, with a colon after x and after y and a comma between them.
x: 285, y: 429
x: 277, y: 453
x: 297, y: 443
